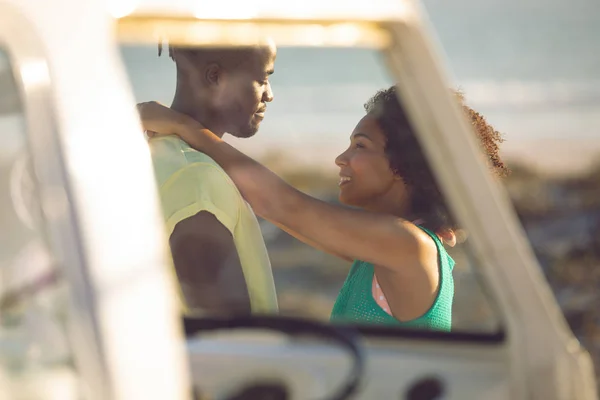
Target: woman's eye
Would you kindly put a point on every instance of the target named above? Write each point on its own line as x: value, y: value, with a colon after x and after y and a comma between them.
x: 360, y: 146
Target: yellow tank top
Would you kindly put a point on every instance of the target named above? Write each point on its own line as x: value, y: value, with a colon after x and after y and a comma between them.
x: 190, y: 182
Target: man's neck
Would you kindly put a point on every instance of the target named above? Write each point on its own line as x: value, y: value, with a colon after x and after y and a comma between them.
x: 197, y: 113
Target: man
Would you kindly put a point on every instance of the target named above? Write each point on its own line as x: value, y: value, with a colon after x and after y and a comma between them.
x: 218, y: 251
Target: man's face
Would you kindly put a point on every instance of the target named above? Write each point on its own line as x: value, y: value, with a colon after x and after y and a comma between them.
x: 243, y: 93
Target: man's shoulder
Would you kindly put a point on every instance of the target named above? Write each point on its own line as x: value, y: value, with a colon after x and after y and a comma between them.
x: 173, y: 158
x: 189, y: 185
x: 201, y: 176
x: 171, y: 150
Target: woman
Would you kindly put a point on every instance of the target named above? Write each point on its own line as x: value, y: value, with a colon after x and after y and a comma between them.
x: 401, y: 274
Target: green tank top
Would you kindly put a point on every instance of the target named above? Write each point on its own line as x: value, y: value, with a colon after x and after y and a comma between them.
x: 355, y: 302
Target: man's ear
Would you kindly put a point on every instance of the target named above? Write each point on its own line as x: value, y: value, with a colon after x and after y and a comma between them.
x: 208, y: 76
x: 213, y: 74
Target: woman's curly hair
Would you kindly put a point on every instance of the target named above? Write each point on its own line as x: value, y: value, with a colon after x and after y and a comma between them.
x: 408, y: 161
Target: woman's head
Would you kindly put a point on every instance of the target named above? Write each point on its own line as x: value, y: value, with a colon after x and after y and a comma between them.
x: 366, y: 179
x: 385, y: 170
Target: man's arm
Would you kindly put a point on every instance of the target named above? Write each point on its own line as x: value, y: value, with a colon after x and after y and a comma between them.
x: 208, y: 266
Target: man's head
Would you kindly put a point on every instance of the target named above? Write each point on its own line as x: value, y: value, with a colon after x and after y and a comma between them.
x: 227, y: 90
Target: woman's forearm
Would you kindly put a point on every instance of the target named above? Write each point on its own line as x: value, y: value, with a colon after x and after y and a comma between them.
x: 269, y: 195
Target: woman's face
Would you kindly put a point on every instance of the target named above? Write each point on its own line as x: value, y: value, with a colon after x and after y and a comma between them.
x: 366, y: 179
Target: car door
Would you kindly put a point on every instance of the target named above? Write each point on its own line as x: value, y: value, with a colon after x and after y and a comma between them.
x: 71, y: 269
x: 509, y: 339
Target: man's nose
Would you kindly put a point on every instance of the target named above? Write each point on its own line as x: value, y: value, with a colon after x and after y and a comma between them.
x: 268, y: 94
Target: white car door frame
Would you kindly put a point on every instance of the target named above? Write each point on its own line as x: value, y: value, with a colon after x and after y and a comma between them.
x: 542, y: 351
x: 542, y: 346
x: 99, y: 201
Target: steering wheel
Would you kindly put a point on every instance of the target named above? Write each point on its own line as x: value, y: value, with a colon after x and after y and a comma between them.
x: 344, y: 336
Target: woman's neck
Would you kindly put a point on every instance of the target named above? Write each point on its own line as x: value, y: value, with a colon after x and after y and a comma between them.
x: 396, y: 208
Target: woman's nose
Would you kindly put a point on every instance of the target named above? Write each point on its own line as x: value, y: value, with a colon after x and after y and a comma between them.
x: 341, y: 160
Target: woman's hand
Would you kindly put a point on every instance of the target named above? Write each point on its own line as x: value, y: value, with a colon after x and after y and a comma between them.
x: 446, y: 235
x: 158, y: 120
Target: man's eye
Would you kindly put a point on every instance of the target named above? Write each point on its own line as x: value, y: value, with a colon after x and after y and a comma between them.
x: 360, y: 145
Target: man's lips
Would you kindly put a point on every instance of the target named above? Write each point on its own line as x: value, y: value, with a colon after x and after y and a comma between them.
x: 261, y: 111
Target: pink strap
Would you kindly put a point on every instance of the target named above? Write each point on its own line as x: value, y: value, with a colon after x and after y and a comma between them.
x: 379, y: 296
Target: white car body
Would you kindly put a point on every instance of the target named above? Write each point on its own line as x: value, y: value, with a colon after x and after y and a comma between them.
x: 123, y: 317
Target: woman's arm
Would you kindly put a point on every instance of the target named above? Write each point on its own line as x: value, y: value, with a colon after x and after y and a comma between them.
x: 383, y: 240
x: 305, y: 240
x: 355, y: 234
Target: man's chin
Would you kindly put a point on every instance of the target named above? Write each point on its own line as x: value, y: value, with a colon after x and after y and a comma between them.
x: 246, y: 133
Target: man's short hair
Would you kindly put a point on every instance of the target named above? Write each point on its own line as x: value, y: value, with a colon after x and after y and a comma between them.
x: 160, y: 48
x: 228, y: 57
